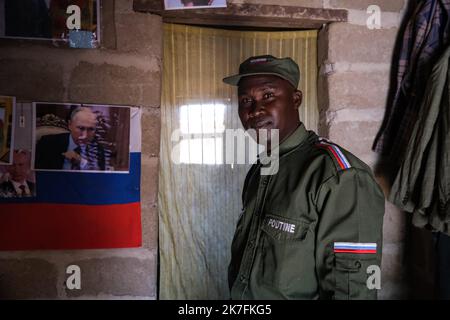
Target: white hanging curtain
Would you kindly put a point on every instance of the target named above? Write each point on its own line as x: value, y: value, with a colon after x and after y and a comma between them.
x: 200, y: 194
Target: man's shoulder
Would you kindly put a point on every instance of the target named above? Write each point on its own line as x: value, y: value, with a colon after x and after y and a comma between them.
x: 337, y: 157
x: 31, y: 186
x: 52, y: 137
x: 53, y: 141
x: 346, y: 169
x: 323, y: 160
x: 6, y: 185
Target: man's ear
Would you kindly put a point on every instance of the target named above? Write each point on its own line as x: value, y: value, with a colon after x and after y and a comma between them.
x: 298, y: 97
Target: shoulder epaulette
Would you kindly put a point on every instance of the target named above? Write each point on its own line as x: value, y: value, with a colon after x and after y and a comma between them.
x: 335, y: 152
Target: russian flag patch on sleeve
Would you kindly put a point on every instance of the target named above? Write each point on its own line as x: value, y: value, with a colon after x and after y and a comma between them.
x: 336, y: 153
x: 354, y: 247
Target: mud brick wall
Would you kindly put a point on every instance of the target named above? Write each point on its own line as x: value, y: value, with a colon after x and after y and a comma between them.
x: 126, y: 70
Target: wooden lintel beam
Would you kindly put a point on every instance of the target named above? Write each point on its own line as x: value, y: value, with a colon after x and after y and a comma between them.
x: 254, y: 15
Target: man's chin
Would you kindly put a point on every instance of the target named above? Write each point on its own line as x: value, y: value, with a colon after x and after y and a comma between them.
x: 261, y: 135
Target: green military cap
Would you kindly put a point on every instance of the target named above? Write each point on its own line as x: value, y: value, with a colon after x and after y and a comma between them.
x: 285, y: 68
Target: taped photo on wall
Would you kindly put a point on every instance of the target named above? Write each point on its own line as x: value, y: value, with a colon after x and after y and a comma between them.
x: 81, y: 137
x: 7, y: 106
x: 194, y: 4
x: 17, y: 179
x: 74, y: 23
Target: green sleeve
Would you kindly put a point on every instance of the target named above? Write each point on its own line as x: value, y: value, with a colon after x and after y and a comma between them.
x: 350, y: 205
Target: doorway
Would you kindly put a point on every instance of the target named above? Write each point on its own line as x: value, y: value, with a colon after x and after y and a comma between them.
x: 199, y: 193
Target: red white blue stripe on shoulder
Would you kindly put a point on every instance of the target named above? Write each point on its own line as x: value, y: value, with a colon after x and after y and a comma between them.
x: 336, y: 153
x: 354, y: 247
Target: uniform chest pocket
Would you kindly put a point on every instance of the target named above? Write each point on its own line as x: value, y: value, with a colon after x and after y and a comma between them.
x: 285, y: 230
x: 287, y: 253
x: 350, y: 273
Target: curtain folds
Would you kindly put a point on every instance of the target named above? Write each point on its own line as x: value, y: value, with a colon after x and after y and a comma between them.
x: 199, y: 193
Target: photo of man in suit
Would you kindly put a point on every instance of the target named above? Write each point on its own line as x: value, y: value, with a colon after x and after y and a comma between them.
x: 74, y: 150
x: 7, y: 107
x: 1, y: 135
x: 18, y: 184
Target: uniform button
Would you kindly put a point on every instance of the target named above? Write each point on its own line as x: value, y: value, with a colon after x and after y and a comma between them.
x: 251, y: 244
x: 357, y: 264
x: 242, y: 278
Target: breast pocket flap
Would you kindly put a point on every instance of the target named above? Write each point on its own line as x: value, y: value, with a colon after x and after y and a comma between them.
x: 285, y: 229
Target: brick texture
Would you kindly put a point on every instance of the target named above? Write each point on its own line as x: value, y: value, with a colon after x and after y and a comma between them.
x: 27, y: 279
x: 355, y: 43
x: 385, y: 5
x: 116, y: 276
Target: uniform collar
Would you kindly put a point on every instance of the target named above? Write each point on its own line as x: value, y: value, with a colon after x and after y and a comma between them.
x: 296, y: 138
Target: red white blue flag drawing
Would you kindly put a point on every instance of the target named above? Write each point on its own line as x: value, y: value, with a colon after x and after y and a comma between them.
x: 76, y: 210
x: 353, y: 247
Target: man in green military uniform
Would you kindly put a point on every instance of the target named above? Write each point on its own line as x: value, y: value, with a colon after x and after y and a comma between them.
x: 313, y: 229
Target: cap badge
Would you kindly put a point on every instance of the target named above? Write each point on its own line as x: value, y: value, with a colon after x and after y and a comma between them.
x: 259, y: 60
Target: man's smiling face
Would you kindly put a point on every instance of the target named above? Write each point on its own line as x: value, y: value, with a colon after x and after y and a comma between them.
x: 269, y: 102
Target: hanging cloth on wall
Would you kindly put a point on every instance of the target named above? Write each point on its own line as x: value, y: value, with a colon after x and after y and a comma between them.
x: 426, y: 35
x: 422, y: 185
